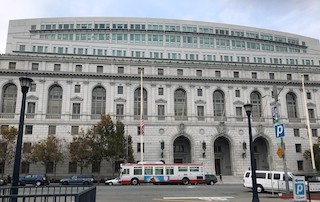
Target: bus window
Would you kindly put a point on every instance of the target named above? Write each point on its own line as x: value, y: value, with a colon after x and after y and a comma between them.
x: 137, y: 170
x: 125, y: 171
x: 183, y: 169
x: 169, y: 171
x: 148, y: 170
x: 261, y: 175
x: 194, y: 169
x: 159, y: 170
x: 276, y: 176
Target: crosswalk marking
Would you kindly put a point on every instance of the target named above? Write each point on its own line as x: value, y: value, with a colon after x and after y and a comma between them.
x: 199, y: 198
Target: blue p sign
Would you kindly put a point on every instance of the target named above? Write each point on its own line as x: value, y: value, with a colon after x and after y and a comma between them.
x: 279, y: 130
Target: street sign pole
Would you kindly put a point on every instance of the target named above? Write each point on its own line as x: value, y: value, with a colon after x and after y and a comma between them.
x: 276, y: 121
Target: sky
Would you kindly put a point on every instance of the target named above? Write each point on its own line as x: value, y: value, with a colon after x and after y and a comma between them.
x: 294, y: 16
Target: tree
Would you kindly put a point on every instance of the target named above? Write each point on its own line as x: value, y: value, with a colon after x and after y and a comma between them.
x: 130, y: 150
x: 316, y: 151
x: 7, y: 145
x: 80, y: 151
x: 47, y: 151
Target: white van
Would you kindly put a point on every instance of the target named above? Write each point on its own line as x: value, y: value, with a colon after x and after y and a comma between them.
x: 268, y: 180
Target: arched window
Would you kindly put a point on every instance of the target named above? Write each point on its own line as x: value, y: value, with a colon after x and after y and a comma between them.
x: 9, y: 99
x: 255, y: 99
x: 291, y: 105
x: 180, y: 104
x: 54, y: 102
x: 137, y: 103
x: 218, y: 104
x: 98, y: 106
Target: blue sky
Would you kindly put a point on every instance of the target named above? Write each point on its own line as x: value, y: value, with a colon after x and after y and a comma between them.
x: 293, y: 16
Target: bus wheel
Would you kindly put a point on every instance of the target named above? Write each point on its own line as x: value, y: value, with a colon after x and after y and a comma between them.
x: 185, y: 181
x: 134, y: 181
x: 259, y: 188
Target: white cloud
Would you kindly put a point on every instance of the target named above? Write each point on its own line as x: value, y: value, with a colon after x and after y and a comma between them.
x: 295, y: 16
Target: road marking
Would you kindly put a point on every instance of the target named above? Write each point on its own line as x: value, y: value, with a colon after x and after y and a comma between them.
x: 199, y: 198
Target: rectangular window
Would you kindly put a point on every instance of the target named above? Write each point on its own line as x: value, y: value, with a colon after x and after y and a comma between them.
x: 311, y: 114
x: 148, y: 170
x: 179, y: 72
x: 199, y: 92
x: 160, y: 91
x: 78, y: 68
x: 49, y: 167
x: 74, y: 130
x: 77, y: 88
x: 99, y: 69
x: 182, y: 169
x: 296, y: 132
x: 95, y: 167
x: 72, y: 167
x: 33, y: 87
x: 160, y: 71
x: 237, y: 92
x: 169, y: 171
x: 139, y: 147
x: 31, y: 108
x: 289, y: 76
x: 29, y: 129
x: 25, y: 167
x: 218, y: 74
x: 120, y: 111
x: 308, y: 95
x: 52, y: 130
x: 254, y: 75
x: 300, y: 165
x: 161, y: 112
x: 137, y: 170
x: 236, y: 74
x: 158, y: 170
x: 199, y: 73
x: 26, y: 148
x: 298, y: 148
x: 314, y: 132
x: 306, y: 77
x: 35, y: 66
x: 271, y: 76
x: 12, y: 65
x: 76, y: 110
x: 200, y: 113
x: 57, y: 67
x: 239, y: 113
x: 120, y: 70
x: 120, y: 89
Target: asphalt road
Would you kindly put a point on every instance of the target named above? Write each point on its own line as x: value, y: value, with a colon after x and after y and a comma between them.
x: 180, y: 193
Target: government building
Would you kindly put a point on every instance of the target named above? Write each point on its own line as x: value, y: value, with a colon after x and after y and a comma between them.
x: 196, y: 78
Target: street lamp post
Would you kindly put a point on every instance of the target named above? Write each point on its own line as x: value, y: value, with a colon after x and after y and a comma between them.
x: 25, y: 84
x: 255, y: 197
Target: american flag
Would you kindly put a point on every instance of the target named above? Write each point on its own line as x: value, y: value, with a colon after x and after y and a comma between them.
x: 142, y: 127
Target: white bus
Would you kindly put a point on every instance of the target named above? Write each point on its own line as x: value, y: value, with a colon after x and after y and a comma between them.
x: 161, y: 173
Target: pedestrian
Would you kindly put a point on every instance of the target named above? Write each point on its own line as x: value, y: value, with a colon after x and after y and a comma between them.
x: 8, y: 178
x: 220, y: 178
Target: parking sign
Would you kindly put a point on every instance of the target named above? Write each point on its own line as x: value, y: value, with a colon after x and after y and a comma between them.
x: 299, y: 191
x: 279, y: 130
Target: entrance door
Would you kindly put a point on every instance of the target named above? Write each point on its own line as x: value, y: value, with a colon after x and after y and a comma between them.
x: 217, y: 166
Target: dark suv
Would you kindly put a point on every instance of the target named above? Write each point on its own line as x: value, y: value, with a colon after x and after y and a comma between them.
x: 34, y: 179
x: 210, y: 179
x: 80, y: 180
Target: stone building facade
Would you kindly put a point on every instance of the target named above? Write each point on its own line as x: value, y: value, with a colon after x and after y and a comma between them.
x: 196, y: 78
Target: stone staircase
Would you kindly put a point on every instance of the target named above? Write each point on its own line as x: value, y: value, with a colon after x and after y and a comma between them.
x: 230, y: 179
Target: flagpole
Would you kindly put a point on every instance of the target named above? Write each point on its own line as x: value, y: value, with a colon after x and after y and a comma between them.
x: 141, y: 117
x: 308, y: 124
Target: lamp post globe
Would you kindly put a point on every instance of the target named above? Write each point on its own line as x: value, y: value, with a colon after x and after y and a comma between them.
x: 255, y: 196
x: 25, y: 83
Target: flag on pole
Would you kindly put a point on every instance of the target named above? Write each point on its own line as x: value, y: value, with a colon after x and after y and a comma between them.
x: 142, y: 127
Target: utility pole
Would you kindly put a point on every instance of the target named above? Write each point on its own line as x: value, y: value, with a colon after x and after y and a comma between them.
x: 276, y: 99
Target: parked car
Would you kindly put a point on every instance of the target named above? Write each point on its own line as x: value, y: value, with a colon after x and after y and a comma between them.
x: 115, y: 181
x: 3, y: 181
x: 78, y: 180
x: 210, y: 179
x: 35, y: 179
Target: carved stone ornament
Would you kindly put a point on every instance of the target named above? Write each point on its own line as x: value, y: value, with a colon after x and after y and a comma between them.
x: 222, y: 128
x: 260, y: 129
x: 181, y: 128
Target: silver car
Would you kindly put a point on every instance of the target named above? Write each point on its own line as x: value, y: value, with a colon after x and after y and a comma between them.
x: 115, y: 181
